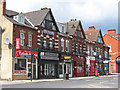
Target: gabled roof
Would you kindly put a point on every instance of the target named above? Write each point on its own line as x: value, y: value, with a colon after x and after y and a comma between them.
x: 36, y: 17
x: 72, y: 27
x: 17, y: 23
x: 11, y: 13
x: 116, y: 36
x: 92, y: 34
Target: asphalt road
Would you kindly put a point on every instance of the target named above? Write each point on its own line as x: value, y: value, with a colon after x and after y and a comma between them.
x: 97, y: 82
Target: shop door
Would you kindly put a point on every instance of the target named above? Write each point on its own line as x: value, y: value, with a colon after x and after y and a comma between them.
x: 34, y: 71
x: 118, y: 68
x: 61, y: 70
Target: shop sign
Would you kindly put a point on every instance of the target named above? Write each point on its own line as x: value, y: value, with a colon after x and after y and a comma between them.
x: 87, y: 61
x: 49, y: 56
x: 17, y: 43
x: 20, y: 72
x: 25, y: 53
x: 67, y: 57
x: 48, y: 32
x: 105, y: 61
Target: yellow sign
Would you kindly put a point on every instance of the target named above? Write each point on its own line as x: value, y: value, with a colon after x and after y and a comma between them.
x: 67, y: 57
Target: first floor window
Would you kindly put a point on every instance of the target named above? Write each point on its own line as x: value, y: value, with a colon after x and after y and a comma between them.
x: 30, y: 40
x: 22, y: 37
x: 62, y: 45
x: 53, y: 44
x: 47, y: 43
x: 42, y: 43
x: 67, y: 45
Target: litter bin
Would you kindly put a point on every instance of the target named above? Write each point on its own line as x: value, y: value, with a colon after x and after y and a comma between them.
x: 66, y: 76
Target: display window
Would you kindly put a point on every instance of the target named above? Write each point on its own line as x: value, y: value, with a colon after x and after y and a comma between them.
x: 20, y: 66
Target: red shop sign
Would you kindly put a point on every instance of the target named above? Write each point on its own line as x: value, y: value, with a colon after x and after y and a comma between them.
x: 17, y: 43
x: 25, y: 53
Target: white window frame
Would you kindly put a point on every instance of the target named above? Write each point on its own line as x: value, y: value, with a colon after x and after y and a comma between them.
x: 22, y: 39
x: 30, y: 40
x: 62, y: 45
x: 67, y: 45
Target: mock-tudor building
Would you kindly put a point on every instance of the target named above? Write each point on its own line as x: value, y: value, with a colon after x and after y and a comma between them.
x: 97, y: 51
x: 75, y: 29
x: 36, y: 32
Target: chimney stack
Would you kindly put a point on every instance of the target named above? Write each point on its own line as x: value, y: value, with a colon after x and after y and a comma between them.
x: 112, y: 32
x: 92, y: 27
x: 3, y: 4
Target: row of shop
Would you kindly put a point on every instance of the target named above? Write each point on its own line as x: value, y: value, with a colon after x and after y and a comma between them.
x: 53, y: 65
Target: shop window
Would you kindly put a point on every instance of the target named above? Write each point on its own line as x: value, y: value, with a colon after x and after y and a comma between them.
x: 49, y: 70
x: 60, y: 69
x: 22, y: 38
x: 20, y: 64
x: 30, y: 40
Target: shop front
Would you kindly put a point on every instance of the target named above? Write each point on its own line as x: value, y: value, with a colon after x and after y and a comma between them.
x: 79, y: 65
x: 48, y: 63
x: 22, y: 64
x: 99, y: 66
x: 65, y: 66
x: 106, y: 67
x: 117, y: 65
x: 90, y: 67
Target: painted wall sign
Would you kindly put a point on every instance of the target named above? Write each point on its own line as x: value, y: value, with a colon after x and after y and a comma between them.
x: 48, y: 32
x: 25, y: 53
x: 17, y: 43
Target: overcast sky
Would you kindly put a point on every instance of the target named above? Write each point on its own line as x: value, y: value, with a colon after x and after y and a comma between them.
x: 100, y: 13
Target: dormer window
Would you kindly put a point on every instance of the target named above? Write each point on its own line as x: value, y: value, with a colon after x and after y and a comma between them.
x: 21, y: 19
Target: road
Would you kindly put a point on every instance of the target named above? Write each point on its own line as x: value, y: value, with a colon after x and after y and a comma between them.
x: 97, y: 82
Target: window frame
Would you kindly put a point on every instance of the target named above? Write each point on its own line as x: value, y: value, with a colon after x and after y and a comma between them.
x: 30, y: 40
x: 22, y: 39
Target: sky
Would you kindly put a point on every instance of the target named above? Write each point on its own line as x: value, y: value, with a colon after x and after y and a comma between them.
x: 102, y: 14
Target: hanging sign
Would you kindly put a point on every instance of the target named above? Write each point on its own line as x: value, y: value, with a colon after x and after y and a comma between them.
x: 17, y: 43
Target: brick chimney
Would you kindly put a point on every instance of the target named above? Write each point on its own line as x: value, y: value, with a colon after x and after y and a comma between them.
x: 112, y: 32
x: 3, y: 7
x: 92, y: 27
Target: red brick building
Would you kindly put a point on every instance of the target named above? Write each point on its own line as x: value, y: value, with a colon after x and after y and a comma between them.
x: 75, y: 30
x: 112, y: 40
x: 96, y: 49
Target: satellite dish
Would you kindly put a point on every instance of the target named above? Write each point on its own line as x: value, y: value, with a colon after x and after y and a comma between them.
x: 7, y: 41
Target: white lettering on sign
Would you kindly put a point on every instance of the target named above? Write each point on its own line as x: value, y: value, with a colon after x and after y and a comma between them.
x: 25, y: 53
x: 48, y: 32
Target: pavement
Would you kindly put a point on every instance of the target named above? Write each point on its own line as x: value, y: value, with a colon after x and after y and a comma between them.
x: 3, y: 82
